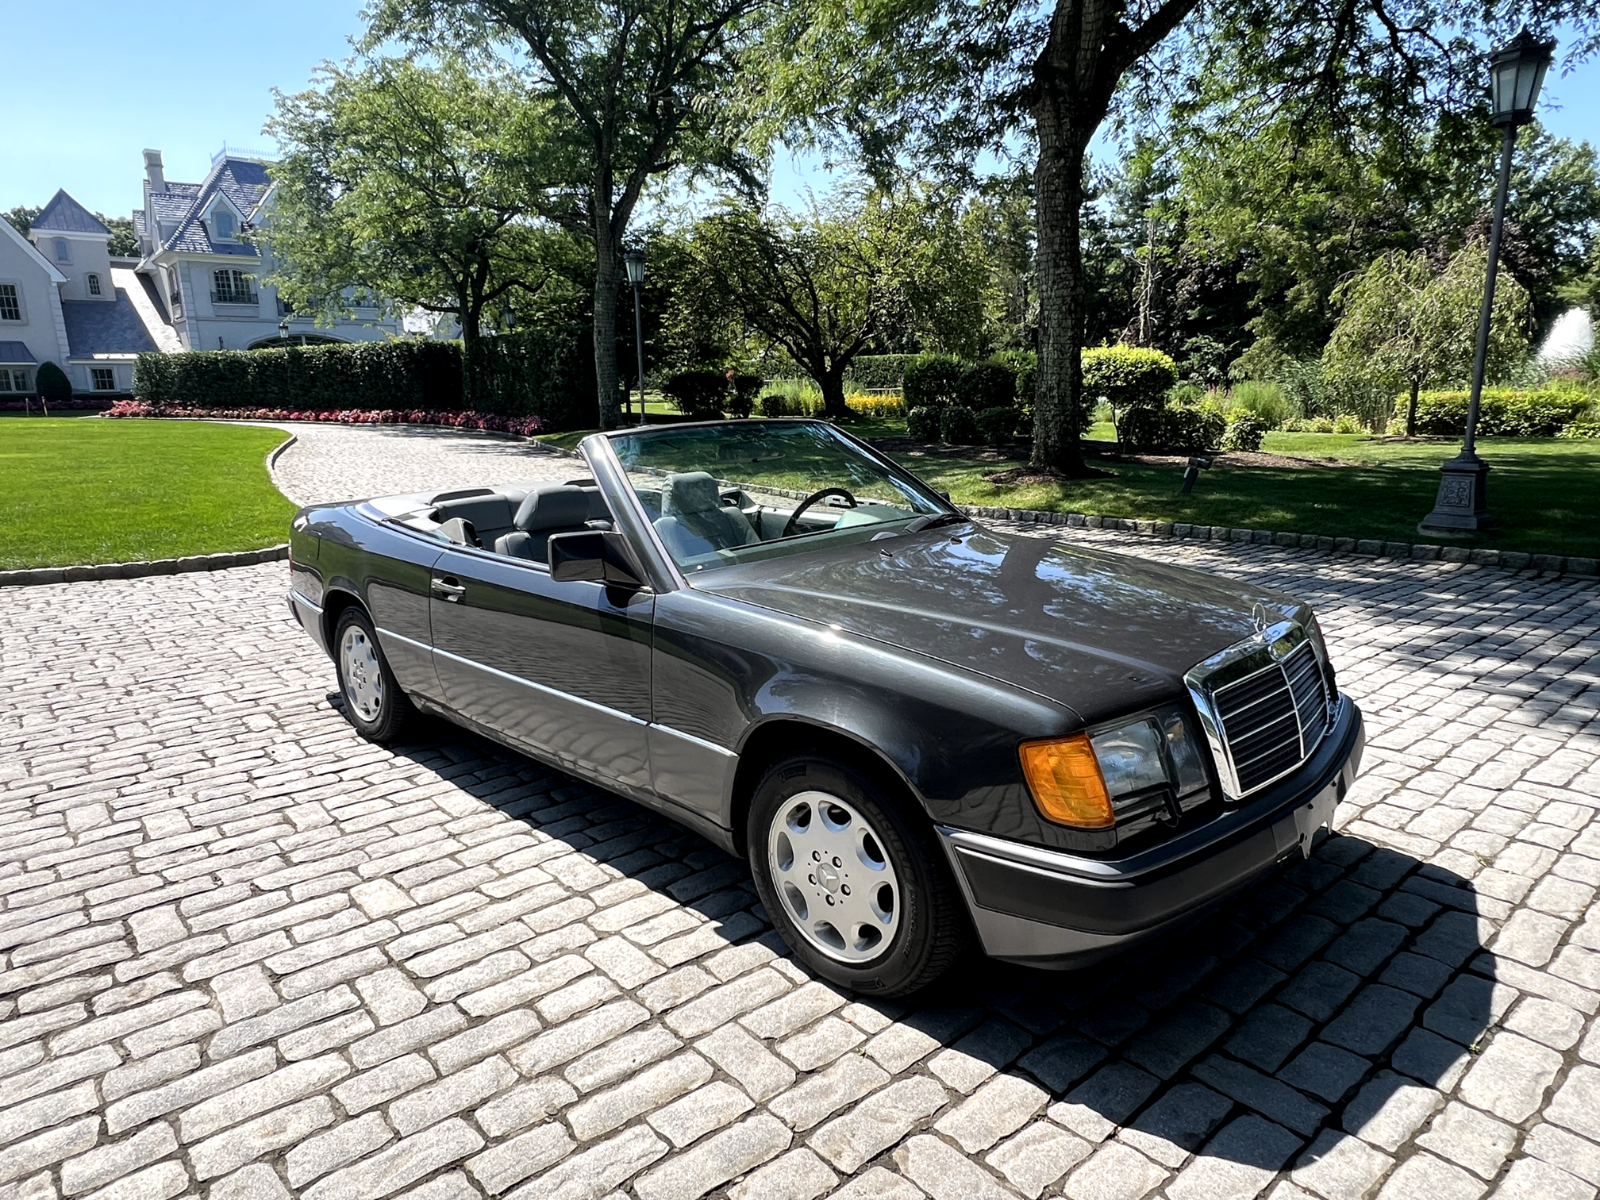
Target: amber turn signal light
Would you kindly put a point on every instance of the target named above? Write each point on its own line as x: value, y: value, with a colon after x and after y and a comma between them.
x: 1064, y: 777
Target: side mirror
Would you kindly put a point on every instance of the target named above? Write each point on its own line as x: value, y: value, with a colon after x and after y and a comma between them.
x: 594, y: 556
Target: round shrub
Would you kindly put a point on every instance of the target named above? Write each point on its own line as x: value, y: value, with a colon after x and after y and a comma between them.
x: 745, y: 388
x: 997, y: 424
x: 932, y: 381
x: 922, y: 424
x: 1345, y: 423
x: 1183, y: 428
x: 52, y: 383
x: 1245, y: 432
x: 697, y: 394
x: 987, y: 385
x: 958, y: 426
x: 1024, y: 366
x: 1128, y: 376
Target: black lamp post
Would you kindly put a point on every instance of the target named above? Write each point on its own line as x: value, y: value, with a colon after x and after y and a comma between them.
x: 633, y: 260
x: 1516, y: 72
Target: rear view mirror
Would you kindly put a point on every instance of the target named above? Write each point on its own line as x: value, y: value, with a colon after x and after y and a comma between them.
x: 594, y: 556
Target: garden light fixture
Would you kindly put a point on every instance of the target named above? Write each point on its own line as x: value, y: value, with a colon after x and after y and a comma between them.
x: 633, y: 260
x: 1516, y: 72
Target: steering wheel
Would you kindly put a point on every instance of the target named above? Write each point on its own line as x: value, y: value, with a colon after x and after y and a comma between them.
x: 794, y: 517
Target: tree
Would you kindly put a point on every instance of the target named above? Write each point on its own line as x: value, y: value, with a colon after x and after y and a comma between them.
x: 22, y: 217
x: 636, y: 84
x: 943, y: 80
x: 825, y: 283
x: 123, y: 243
x: 415, y: 187
x: 1406, y: 328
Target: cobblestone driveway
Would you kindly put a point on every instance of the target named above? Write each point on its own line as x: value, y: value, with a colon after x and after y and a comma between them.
x: 245, y: 954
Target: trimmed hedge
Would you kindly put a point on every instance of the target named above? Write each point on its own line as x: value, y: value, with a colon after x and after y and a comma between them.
x: 958, y: 426
x: 699, y: 394
x: 544, y: 373
x: 1024, y: 367
x: 987, y: 385
x: 922, y: 424
x: 878, y: 370
x: 51, y: 382
x: 933, y: 381
x: 1128, y: 376
x: 1182, y: 428
x: 1502, y: 412
x: 997, y: 425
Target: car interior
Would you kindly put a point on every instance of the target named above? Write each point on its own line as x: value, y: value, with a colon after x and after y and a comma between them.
x: 697, y: 517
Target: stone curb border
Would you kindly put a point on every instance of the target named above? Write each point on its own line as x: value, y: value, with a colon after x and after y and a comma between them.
x: 1510, y: 560
x: 138, y: 570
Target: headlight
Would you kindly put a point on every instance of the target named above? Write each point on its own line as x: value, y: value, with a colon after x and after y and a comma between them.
x: 1085, y: 779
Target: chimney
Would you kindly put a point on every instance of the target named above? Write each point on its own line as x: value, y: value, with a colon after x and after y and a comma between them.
x: 153, y: 172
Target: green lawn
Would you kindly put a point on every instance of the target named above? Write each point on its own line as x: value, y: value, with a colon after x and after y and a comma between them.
x: 91, y: 491
x: 1544, y: 493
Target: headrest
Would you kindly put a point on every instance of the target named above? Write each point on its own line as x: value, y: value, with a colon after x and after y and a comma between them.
x: 690, y: 492
x: 554, y: 508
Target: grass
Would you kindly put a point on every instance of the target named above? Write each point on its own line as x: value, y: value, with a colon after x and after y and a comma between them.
x: 92, y: 491
x: 1543, y: 492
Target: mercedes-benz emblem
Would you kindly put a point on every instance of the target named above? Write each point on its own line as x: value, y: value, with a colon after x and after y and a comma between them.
x: 1260, y: 617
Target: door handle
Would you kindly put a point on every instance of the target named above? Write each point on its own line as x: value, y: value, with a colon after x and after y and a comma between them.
x: 448, y: 588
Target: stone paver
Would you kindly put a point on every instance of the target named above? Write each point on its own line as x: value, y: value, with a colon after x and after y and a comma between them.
x: 245, y: 954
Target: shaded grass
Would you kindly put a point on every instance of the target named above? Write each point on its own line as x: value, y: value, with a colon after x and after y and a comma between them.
x: 92, y: 491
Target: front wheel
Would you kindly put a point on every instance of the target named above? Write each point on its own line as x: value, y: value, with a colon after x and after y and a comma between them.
x: 855, y: 882
x: 373, y: 701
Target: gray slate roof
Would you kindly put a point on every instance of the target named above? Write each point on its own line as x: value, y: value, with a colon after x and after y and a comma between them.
x: 65, y: 215
x: 95, y: 327
x: 12, y: 353
x: 241, y: 180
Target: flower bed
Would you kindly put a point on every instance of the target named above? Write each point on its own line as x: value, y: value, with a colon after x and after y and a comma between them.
x: 76, y: 404
x: 488, y: 422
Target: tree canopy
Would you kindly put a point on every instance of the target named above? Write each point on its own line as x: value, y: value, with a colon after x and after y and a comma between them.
x: 417, y: 187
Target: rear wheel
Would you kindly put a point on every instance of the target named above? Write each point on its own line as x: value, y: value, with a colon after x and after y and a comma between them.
x: 373, y: 701
x: 853, y: 880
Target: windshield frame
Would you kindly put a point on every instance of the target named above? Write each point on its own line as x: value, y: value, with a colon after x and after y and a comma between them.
x: 601, y: 444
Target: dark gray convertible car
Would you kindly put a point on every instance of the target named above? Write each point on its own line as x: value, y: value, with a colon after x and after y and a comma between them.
x: 919, y: 730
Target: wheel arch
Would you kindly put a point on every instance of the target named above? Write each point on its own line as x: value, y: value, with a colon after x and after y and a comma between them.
x: 781, y: 737
x: 334, y: 602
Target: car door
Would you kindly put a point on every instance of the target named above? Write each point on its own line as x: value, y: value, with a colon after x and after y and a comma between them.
x: 562, y: 669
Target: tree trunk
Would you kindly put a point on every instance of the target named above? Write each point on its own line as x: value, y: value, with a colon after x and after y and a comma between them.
x: 470, y: 315
x: 831, y: 382
x: 1058, y: 186
x: 605, y: 321
x: 1411, y: 410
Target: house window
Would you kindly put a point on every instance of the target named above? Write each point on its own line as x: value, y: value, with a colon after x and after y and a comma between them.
x: 10, y: 304
x: 62, y: 254
x: 94, y: 285
x: 104, y: 378
x: 14, y: 380
x: 222, y: 220
x: 232, y: 287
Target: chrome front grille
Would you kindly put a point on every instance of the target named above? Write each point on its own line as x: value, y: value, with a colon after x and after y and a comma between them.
x: 1265, y: 705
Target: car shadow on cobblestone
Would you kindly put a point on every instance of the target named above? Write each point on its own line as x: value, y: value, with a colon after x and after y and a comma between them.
x: 1340, y: 996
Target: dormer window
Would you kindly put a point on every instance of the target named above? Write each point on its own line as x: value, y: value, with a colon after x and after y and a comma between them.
x: 222, y: 223
x: 63, y: 254
x: 94, y: 285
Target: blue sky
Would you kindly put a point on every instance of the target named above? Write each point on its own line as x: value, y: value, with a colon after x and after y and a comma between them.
x: 91, y: 83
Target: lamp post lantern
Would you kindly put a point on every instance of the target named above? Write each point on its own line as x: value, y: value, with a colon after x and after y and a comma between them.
x: 1516, y: 72
x: 633, y: 260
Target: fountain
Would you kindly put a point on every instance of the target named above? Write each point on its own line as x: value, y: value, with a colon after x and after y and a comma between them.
x: 1570, y: 338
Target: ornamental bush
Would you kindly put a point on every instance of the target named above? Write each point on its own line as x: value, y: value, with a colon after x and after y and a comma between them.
x: 933, y: 381
x: 958, y: 426
x: 699, y: 394
x: 1181, y: 429
x: 52, y: 383
x: 1024, y: 367
x: 922, y: 424
x: 1502, y: 412
x: 1128, y: 376
x: 997, y: 425
x: 1244, y: 432
x: 1581, y: 429
x: 745, y: 388
x: 987, y: 385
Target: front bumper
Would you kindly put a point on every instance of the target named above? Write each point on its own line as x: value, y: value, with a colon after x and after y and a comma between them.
x: 1048, y: 908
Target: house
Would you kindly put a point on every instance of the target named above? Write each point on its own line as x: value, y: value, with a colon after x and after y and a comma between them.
x: 204, y: 270
x: 65, y: 299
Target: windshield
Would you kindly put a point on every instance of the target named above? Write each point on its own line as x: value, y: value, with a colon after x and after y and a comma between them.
x: 744, y: 490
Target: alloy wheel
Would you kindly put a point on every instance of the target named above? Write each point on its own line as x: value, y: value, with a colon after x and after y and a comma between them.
x: 832, y: 876
x: 363, y: 676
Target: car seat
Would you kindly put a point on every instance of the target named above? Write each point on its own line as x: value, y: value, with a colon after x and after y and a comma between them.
x: 694, y: 521
x: 552, y: 510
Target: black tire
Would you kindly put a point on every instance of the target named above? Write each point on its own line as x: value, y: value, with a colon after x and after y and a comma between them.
x: 932, y: 928
x: 380, y: 713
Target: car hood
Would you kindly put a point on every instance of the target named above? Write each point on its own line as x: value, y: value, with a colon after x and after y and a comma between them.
x: 1101, y: 633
